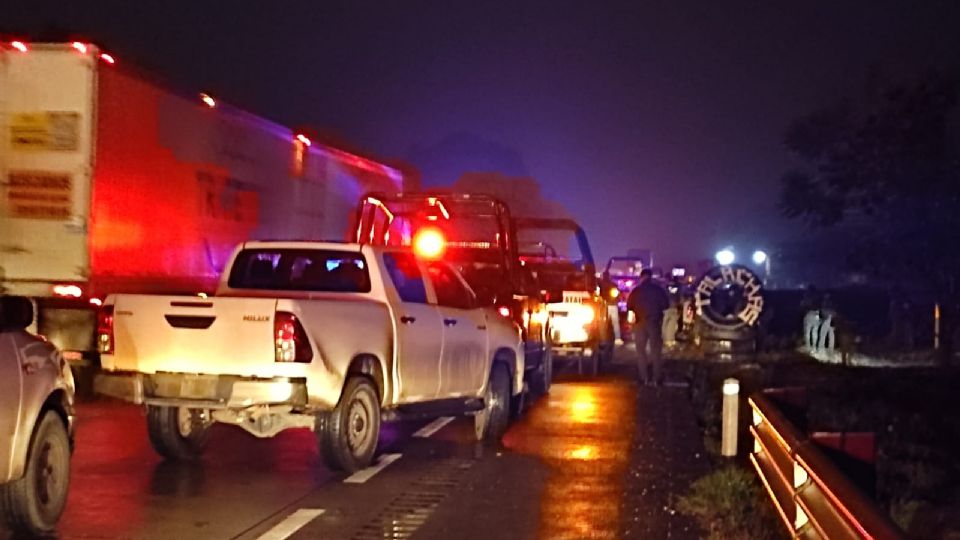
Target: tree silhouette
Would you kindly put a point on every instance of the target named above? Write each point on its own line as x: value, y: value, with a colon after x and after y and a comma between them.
x: 883, y: 172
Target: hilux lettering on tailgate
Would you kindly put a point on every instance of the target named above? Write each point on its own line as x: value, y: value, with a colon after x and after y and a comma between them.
x: 256, y: 318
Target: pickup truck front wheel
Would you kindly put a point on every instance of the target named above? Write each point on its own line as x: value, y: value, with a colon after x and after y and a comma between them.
x: 349, y: 434
x: 33, y: 504
x: 542, y: 377
x: 491, y: 423
x: 178, y: 433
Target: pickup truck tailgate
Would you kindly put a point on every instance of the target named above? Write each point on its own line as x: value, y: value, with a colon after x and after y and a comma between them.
x: 188, y: 334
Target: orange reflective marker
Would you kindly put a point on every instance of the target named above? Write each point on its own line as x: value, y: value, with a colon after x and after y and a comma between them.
x: 429, y: 243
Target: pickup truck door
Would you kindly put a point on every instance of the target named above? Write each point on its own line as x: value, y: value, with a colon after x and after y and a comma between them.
x: 419, y: 330
x: 465, y: 357
x: 10, y: 375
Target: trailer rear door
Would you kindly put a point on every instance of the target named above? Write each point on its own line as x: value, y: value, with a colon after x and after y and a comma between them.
x: 46, y: 126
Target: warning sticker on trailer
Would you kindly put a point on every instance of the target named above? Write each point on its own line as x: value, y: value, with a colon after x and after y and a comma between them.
x: 39, y: 195
x: 49, y: 130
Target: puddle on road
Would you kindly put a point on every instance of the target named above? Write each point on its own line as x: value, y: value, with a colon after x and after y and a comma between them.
x: 583, y: 432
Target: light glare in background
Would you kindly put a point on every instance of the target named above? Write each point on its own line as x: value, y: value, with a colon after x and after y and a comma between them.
x: 726, y: 256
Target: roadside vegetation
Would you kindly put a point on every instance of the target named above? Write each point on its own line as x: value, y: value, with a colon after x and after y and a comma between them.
x: 729, y: 504
x: 915, y: 477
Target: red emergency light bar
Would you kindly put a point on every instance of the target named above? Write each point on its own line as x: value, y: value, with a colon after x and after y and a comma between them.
x: 429, y: 243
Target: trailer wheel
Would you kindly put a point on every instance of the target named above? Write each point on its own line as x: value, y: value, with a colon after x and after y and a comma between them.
x: 33, y: 504
x: 348, y: 435
x: 178, y: 433
x: 491, y: 423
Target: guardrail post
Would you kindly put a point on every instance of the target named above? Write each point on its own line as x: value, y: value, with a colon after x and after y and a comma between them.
x: 731, y: 415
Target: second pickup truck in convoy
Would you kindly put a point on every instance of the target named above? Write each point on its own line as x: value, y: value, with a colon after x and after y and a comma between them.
x: 327, y: 336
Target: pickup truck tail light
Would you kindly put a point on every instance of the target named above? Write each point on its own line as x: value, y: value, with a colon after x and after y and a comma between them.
x: 105, y: 330
x: 290, y: 339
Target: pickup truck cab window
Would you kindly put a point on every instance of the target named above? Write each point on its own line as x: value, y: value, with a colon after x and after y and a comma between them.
x: 300, y: 270
x: 406, y: 277
x: 451, y: 292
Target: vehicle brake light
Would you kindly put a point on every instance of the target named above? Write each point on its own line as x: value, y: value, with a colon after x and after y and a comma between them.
x: 105, y: 330
x: 429, y: 243
x: 107, y: 58
x: 290, y: 339
x: 80, y: 47
x: 67, y: 291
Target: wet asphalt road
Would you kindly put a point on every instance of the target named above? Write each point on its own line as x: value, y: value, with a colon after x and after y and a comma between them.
x: 562, y: 472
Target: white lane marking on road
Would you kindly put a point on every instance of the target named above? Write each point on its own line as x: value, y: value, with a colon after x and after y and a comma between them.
x: 360, y: 477
x: 291, y: 524
x: 433, y: 427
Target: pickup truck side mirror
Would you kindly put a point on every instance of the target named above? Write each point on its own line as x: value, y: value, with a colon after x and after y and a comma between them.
x: 16, y: 313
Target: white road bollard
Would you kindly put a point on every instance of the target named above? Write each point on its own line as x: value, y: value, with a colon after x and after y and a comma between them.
x: 731, y: 415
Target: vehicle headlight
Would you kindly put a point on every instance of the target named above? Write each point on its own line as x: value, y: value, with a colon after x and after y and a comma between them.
x: 584, y: 314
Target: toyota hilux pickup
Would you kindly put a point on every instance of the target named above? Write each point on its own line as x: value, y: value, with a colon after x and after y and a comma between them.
x: 36, y: 424
x: 327, y: 336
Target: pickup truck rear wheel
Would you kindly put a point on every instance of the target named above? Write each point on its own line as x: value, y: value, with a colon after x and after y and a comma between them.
x: 349, y: 434
x: 178, y: 433
x: 33, y: 504
x: 491, y: 423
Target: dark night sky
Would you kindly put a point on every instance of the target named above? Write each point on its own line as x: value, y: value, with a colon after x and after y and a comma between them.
x: 657, y: 123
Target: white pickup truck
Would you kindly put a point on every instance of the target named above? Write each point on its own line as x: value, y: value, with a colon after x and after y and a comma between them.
x: 328, y: 336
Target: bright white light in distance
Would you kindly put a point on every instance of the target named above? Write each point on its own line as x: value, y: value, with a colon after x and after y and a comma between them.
x: 759, y: 257
x: 725, y: 257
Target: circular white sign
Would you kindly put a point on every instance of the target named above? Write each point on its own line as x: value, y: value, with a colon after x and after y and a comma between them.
x: 729, y: 296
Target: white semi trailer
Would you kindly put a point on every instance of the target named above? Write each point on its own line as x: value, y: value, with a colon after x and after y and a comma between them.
x: 113, y: 183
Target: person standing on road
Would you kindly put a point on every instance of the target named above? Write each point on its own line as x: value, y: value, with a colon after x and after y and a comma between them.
x: 648, y: 301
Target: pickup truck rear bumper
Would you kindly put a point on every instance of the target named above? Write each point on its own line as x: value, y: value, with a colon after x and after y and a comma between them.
x: 202, y: 391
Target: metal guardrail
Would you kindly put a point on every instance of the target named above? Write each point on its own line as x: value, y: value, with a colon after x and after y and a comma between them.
x: 813, y: 497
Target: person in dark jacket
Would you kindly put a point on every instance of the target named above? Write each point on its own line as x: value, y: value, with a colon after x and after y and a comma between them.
x: 648, y: 301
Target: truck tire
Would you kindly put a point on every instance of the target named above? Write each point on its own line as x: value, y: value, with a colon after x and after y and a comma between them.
x: 177, y: 433
x: 33, y: 504
x: 542, y: 378
x: 348, y: 435
x: 604, y: 352
x: 491, y: 423
x: 593, y: 361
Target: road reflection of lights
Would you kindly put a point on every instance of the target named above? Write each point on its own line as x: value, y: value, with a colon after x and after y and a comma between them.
x: 583, y: 409
x: 583, y: 433
x: 584, y: 452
